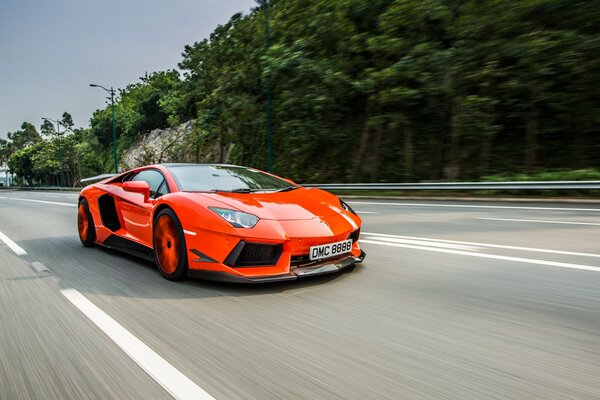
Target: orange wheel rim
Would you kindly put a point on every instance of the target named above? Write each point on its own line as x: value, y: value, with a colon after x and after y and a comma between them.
x: 82, y: 222
x: 166, y: 244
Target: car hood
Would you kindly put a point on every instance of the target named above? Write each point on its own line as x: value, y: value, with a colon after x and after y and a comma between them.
x: 298, y: 204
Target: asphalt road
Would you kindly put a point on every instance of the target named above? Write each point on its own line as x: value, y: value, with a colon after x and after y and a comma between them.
x: 455, y: 300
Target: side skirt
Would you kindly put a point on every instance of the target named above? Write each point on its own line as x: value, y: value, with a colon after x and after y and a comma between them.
x: 129, y: 247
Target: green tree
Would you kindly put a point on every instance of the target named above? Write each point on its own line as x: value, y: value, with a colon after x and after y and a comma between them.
x: 4, y: 151
x: 27, y: 136
x: 381, y: 90
x: 21, y: 164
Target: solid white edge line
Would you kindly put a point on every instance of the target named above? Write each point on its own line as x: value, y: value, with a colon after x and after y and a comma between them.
x: 41, y: 201
x: 18, y: 250
x: 474, y: 206
x: 491, y: 256
x: 542, y: 221
x: 499, y: 246
x: 171, y: 379
x: 428, y: 243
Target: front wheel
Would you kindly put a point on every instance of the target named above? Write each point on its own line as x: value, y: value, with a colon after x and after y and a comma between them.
x: 169, y: 246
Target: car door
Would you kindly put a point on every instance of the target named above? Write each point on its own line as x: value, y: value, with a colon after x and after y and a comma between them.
x: 136, y: 213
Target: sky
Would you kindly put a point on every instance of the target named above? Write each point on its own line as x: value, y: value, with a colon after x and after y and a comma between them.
x: 51, y: 50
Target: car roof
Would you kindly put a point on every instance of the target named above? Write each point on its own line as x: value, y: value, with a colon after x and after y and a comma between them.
x: 197, y: 164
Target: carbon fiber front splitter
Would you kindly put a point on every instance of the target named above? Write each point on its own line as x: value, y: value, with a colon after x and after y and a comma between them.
x: 322, y: 268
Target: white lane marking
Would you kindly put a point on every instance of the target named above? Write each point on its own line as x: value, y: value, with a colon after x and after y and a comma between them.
x: 475, y: 206
x: 189, y: 232
x: 169, y: 377
x: 542, y: 221
x: 58, y: 195
x: 492, y: 256
x: 366, y: 212
x: 499, y: 246
x: 428, y: 243
x: 18, y: 250
x: 41, y: 201
x: 39, y: 267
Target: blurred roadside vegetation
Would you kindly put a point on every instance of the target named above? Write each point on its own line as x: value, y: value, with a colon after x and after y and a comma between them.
x: 564, y: 175
x: 369, y: 91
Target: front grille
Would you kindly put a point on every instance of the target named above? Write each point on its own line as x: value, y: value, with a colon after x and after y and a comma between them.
x: 300, y: 260
x: 254, y: 254
x: 304, y: 261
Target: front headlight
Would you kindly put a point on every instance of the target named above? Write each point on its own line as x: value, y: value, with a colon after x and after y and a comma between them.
x: 237, y: 219
x: 346, y: 207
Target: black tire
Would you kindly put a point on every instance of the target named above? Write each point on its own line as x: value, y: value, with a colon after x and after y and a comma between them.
x: 168, y: 242
x: 85, y: 224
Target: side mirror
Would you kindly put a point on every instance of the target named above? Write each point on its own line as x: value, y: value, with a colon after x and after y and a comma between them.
x: 138, y: 187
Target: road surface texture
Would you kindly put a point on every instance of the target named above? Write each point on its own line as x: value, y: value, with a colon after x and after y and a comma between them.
x: 455, y: 300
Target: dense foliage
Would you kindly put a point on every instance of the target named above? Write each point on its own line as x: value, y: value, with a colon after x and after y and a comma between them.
x: 380, y: 90
x: 37, y: 159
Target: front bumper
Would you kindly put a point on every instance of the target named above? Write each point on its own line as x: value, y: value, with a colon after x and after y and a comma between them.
x: 324, y: 267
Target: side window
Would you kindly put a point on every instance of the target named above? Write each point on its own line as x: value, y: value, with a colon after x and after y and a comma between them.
x: 155, y: 180
x: 162, y: 189
x: 126, y: 177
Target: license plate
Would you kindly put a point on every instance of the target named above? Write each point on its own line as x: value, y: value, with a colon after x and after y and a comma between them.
x: 330, y: 249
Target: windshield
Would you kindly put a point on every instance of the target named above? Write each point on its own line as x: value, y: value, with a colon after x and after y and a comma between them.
x: 201, y: 178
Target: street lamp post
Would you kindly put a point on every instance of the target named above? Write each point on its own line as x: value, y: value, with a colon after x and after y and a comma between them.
x: 111, y: 92
x: 60, y: 176
x: 265, y: 4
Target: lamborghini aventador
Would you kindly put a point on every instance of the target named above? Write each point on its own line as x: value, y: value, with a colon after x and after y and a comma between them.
x: 220, y: 222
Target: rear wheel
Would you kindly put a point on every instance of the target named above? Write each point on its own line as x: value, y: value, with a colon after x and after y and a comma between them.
x: 85, y: 224
x: 169, y: 246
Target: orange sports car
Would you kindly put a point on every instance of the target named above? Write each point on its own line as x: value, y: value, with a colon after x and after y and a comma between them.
x: 220, y: 222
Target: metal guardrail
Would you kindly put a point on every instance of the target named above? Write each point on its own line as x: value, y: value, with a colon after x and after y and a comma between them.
x: 40, y: 188
x: 521, y: 185
x: 60, y: 188
x: 97, y: 178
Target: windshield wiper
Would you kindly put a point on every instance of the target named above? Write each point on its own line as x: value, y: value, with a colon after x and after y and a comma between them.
x: 288, y: 188
x: 249, y: 190
x: 239, y: 190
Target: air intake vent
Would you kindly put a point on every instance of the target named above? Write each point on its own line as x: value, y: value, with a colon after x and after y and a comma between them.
x: 108, y: 212
x: 254, y: 254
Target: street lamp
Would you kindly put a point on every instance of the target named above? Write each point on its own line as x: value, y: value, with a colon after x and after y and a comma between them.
x: 114, y: 127
x: 60, y: 176
x: 265, y: 4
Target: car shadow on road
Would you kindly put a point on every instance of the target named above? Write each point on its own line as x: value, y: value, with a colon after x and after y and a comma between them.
x: 103, y: 271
